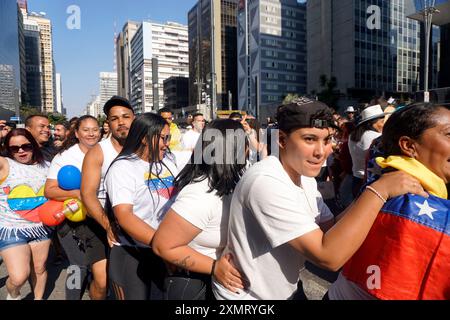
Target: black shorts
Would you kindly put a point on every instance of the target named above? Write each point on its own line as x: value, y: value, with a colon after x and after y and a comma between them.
x: 90, y: 237
x: 139, y: 272
x: 97, y: 242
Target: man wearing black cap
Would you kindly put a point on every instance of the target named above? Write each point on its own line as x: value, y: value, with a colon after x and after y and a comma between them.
x: 278, y: 218
x: 120, y: 116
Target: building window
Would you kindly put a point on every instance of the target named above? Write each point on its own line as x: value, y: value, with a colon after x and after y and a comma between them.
x: 272, y: 87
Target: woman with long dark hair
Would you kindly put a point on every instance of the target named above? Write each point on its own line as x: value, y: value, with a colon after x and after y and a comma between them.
x: 84, y: 242
x: 24, y: 240
x: 139, y: 184
x: 194, y: 232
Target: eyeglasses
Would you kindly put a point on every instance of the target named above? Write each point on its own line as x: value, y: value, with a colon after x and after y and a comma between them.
x: 25, y: 147
x: 166, y: 138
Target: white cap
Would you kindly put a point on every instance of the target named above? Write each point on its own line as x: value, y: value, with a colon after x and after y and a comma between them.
x: 350, y: 109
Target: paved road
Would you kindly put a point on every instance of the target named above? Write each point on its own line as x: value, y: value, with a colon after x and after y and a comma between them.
x: 315, y: 282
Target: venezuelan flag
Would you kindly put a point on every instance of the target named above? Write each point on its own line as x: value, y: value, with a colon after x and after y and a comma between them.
x: 25, y: 202
x: 163, y: 185
x: 409, y: 242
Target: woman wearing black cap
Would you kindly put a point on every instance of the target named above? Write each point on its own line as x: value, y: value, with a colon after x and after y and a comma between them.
x: 278, y: 218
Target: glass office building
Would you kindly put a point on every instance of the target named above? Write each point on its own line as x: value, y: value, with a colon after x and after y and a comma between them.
x: 12, y: 56
x: 370, y: 46
x: 225, y: 53
x: 386, y: 59
x: 33, y: 63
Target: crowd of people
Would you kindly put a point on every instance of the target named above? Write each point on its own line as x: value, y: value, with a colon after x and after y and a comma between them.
x: 224, y: 210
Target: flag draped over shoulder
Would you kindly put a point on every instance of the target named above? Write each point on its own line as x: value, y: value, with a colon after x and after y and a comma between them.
x: 409, y: 242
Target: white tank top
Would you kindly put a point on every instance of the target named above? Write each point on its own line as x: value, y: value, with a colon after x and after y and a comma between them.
x: 21, y: 193
x: 109, y: 154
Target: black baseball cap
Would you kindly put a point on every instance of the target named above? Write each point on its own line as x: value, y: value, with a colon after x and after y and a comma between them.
x: 303, y: 113
x: 116, y: 101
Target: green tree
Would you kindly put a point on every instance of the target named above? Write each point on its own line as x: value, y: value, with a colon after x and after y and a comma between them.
x: 56, y: 117
x: 329, y: 94
x: 27, y: 110
x: 101, y: 119
x: 290, y: 97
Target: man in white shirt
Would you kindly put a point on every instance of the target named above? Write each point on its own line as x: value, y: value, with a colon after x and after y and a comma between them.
x: 120, y: 116
x: 190, y: 138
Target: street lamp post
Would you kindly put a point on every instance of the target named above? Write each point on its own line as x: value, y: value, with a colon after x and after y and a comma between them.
x: 428, y: 12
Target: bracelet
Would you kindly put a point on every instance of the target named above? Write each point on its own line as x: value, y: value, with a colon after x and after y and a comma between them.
x: 213, y: 267
x: 376, y: 193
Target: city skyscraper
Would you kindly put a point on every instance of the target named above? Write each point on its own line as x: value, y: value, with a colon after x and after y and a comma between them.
x: 444, y: 75
x: 271, y: 52
x: 9, y: 91
x: 45, y: 29
x: 23, y: 4
x: 123, y: 56
x: 94, y: 107
x: 371, y: 48
x: 12, y: 57
x: 158, y: 52
x: 33, y: 62
x: 176, y: 93
x: 439, y: 63
x: 222, y: 53
x: 108, y: 87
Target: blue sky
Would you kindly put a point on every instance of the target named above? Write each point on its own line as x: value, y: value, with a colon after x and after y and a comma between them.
x: 81, y: 54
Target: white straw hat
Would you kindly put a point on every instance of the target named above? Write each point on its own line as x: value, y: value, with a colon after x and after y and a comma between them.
x: 370, y: 113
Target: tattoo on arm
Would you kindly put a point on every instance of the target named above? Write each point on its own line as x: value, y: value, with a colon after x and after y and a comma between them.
x: 184, y: 263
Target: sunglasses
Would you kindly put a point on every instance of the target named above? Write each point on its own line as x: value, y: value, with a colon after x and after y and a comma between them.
x: 166, y: 138
x: 25, y: 147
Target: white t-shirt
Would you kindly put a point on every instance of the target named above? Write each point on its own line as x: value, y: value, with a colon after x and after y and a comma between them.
x: 358, y: 152
x: 267, y: 211
x: 109, y: 154
x: 72, y: 156
x: 208, y: 212
x: 344, y: 289
x: 189, y: 139
x: 129, y: 182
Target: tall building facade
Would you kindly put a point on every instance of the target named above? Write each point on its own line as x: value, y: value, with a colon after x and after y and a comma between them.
x: 108, y: 86
x: 176, y: 93
x: 158, y: 52
x: 59, y: 107
x: 94, y: 107
x: 439, y: 63
x: 444, y: 74
x: 33, y: 62
x: 218, y: 48
x: 48, y: 74
x: 12, y: 57
x: 271, y: 52
x: 9, y: 90
x: 369, y: 46
x: 123, y: 55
